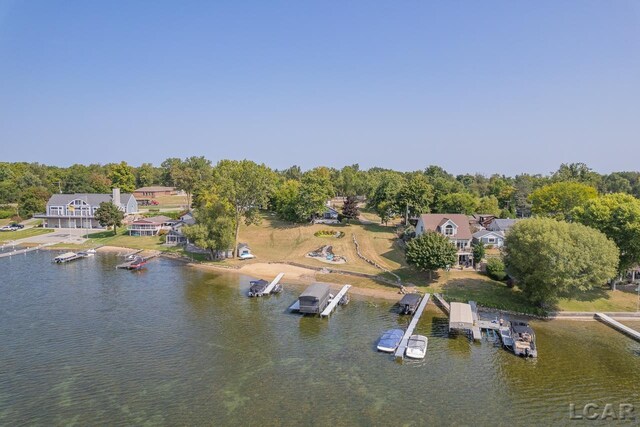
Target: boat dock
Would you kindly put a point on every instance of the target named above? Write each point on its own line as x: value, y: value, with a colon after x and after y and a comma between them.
x: 334, y: 302
x: 67, y: 257
x: 617, y: 325
x: 23, y: 251
x: 414, y: 322
x: 273, y: 284
x: 138, y: 261
x: 442, y: 303
x: 475, y: 329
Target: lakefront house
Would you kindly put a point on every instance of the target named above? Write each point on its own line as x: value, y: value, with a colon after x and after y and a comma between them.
x: 78, y: 210
x: 455, y: 227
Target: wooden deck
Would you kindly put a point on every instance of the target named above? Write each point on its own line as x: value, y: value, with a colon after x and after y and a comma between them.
x: 414, y: 322
x: 617, y: 325
x: 334, y: 302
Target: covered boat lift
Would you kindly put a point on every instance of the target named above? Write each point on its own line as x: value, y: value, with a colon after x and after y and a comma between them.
x: 460, y: 317
x: 313, y: 300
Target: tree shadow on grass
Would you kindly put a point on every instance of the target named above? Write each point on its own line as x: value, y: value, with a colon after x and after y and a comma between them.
x: 101, y: 235
x: 488, y: 293
x: 590, y: 295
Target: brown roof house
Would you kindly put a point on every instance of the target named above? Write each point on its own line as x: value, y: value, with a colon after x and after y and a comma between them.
x: 455, y: 227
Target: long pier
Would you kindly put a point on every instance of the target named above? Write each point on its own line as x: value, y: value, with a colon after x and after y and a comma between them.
x: 617, y: 325
x: 273, y: 284
x: 24, y: 251
x: 334, y: 302
x: 414, y: 322
x: 475, y: 329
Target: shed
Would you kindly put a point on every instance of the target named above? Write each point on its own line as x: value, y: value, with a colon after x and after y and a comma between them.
x: 460, y: 316
x: 314, y: 299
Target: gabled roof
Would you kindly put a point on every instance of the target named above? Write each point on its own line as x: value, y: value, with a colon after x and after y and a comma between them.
x: 91, y: 198
x: 433, y: 221
x: 482, y: 233
x: 161, y: 219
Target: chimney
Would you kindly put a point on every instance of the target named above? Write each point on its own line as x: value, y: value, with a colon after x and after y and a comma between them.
x: 116, y: 197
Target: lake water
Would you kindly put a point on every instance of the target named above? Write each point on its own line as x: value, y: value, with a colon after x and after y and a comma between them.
x: 86, y: 344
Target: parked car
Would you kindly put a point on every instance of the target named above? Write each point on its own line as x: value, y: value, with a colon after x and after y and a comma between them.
x: 8, y: 228
x: 16, y: 225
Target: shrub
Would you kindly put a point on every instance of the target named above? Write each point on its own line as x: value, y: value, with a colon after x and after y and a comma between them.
x: 4, y: 213
x: 495, y: 269
x: 329, y: 233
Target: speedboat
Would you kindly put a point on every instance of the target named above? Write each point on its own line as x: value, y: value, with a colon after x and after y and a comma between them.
x: 417, y: 347
x: 390, y: 340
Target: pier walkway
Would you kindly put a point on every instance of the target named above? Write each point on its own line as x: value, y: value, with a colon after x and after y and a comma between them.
x: 273, y: 284
x: 475, y: 329
x: 24, y: 251
x: 414, y: 322
x: 619, y: 326
x: 334, y: 302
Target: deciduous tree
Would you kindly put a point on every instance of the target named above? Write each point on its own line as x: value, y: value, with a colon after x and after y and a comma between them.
x: 108, y: 215
x: 431, y: 251
x: 559, y: 199
x: 550, y: 258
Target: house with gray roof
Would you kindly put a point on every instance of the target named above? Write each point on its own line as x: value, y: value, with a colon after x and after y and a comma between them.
x: 489, y: 238
x: 78, y: 210
x: 501, y: 224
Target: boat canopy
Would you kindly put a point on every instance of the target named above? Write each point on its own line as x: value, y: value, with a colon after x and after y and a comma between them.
x: 315, y: 291
x: 258, y: 286
x: 410, y: 299
x: 460, y: 316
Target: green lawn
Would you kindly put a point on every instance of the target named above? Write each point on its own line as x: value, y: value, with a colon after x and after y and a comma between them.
x: 122, y: 239
x: 6, y: 236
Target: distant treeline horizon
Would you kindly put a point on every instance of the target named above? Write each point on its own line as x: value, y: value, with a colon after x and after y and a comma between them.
x: 31, y: 184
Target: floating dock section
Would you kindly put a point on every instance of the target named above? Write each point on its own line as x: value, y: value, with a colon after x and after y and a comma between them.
x: 67, y: 257
x: 273, y: 284
x: 335, y: 301
x: 414, y: 322
x: 617, y: 325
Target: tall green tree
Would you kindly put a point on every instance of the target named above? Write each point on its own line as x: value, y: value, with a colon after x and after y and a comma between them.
x: 385, y: 198
x: 462, y: 203
x: 315, y: 190
x: 214, y: 228
x: 489, y: 205
x: 108, y: 215
x: 122, y: 176
x: 191, y: 174
x: 245, y: 186
x: 550, y: 258
x: 559, y: 199
x: 285, y: 199
x: 618, y: 216
x: 147, y: 175
x: 33, y: 200
x: 415, y: 196
x: 431, y: 251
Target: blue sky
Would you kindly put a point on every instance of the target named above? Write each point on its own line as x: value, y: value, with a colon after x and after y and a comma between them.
x: 492, y: 86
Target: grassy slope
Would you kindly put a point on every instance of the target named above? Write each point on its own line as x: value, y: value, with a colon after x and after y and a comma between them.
x: 6, y: 236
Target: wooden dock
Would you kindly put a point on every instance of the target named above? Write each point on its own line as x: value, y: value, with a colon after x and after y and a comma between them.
x: 442, y: 303
x: 617, y: 325
x: 414, y: 322
x: 138, y: 261
x: 334, y: 302
x: 475, y: 329
x: 67, y: 257
x: 273, y: 284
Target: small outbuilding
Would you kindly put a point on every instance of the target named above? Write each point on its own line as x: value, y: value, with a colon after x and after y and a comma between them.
x: 460, y: 317
x: 314, y: 299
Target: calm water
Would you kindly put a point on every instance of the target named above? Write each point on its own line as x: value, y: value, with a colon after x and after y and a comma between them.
x: 85, y: 344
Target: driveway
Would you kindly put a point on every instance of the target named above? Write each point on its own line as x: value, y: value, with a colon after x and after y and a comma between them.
x: 61, y: 235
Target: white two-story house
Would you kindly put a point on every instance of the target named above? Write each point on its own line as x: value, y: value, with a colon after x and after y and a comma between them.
x: 78, y: 210
x: 455, y: 227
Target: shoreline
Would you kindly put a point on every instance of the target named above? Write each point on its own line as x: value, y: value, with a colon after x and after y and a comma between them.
x: 304, y: 276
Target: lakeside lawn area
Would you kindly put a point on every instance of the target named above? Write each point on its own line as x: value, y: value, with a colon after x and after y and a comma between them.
x: 7, y: 236
x: 278, y: 241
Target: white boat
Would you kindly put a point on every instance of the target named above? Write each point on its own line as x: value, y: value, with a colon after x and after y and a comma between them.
x: 417, y: 347
x: 390, y: 340
x: 90, y: 251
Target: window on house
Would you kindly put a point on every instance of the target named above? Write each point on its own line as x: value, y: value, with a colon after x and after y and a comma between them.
x: 491, y: 239
x: 448, y: 230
